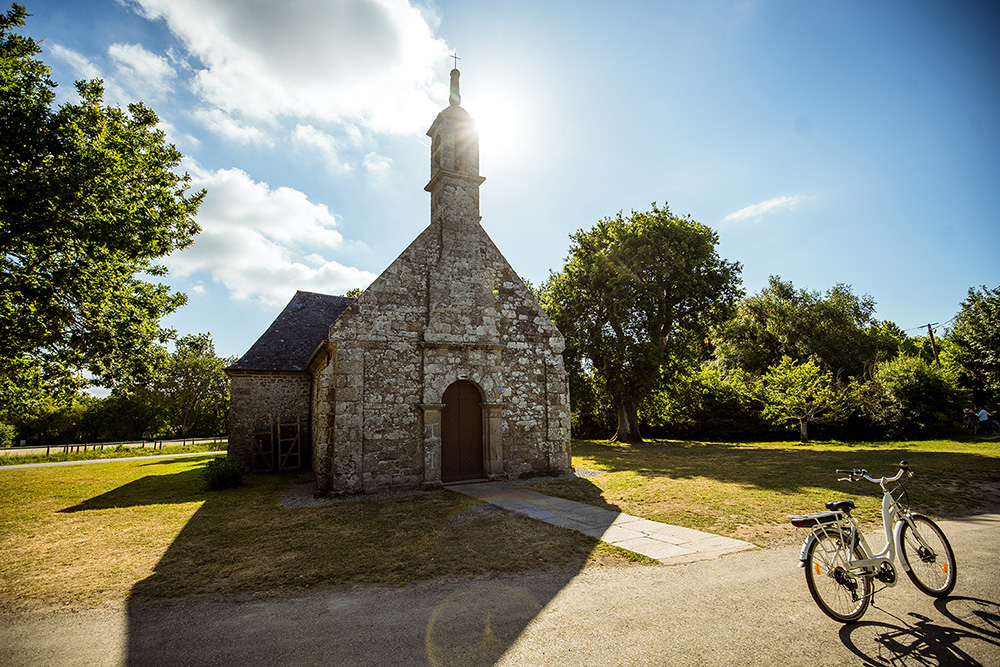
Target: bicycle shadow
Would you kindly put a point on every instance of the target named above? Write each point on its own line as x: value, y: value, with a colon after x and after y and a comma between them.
x: 921, y: 641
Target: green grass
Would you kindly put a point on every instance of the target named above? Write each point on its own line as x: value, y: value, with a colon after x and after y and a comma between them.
x: 86, y: 535
x: 110, y: 453
x: 747, y: 490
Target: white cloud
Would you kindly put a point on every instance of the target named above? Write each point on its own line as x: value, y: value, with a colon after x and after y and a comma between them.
x: 226, y: 126
x: 82, y: 67
x: 374, y: 63
x: 261, y: 242
x: 378, y: 167
x: 144, y: 74
x: 327, y: 145
x: 756, y: 211
x: 138, y: 74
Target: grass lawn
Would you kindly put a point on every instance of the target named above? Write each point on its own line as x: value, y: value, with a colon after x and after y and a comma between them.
x: 746, y: 490
x: 86, y: 535
x: 10, y: 459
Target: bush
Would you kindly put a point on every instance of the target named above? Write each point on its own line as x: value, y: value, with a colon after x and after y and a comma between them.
x: 225, y: 472
x: 908, y: 397
x: 7, y: 434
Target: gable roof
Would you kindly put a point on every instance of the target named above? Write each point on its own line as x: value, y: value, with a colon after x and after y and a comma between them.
x: 295, y: 334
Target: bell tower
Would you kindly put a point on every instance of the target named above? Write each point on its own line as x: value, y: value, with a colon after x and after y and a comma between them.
x: 455, y: 179
x: 461, y: 305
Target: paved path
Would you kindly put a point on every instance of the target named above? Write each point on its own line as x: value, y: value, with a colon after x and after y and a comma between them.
x: 670, y: 545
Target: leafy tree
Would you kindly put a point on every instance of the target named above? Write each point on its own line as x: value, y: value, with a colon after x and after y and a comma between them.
x: 635, y: 300
x: 837, y: 329
x: 193, y: 389
x: 804, y: 393
x: 706, y: 403
x: 909, y: 397
x: 88, y: 201
x: 975, y: 343
x: 54, y: 421
x: 121, y: 416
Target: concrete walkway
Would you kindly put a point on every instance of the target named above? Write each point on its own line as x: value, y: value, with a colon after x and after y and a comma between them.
x: 670, y: 545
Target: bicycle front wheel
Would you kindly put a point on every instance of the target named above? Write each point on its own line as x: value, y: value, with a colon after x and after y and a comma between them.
x: 839, y: 594
x: 929, y: 560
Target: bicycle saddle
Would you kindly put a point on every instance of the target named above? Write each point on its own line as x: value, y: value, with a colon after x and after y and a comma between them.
x: 844, y: 506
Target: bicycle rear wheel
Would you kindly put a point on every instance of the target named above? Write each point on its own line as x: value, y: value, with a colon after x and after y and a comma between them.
x: 839, y: 594
x: 929, y: 560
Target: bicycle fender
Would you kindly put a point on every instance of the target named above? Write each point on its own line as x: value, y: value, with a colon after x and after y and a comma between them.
x: 898, y: 537
x: 803, y: 554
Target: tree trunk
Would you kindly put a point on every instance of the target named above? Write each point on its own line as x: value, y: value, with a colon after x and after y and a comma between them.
x: 804, y: 430
x: 628, y: 423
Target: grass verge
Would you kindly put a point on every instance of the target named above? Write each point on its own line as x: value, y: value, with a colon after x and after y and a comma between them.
x: 110, y: 453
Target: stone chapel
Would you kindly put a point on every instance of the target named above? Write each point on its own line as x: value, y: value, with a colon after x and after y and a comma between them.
x: 445, y: 368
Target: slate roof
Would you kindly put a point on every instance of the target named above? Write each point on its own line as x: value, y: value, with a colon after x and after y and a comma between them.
x: 295, y: 334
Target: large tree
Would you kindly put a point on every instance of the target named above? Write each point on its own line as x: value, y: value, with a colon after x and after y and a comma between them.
x: 89, y: 200
x: 804, y: 393
x: 635, y: 299
x: 193, y: 389
x: 975, y: 343
x: 836, y: 329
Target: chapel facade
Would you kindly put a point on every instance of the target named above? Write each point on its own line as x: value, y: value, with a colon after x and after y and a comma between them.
x: 445, y: 369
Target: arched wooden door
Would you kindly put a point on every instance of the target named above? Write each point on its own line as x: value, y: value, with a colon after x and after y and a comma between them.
x: 461, y: 433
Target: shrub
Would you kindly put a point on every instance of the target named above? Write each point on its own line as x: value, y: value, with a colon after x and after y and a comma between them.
x: 7, y: 434
x: 908, y: 397
x: 225, y: 472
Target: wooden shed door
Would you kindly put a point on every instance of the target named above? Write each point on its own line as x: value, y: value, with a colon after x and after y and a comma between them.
x: 461, y: 433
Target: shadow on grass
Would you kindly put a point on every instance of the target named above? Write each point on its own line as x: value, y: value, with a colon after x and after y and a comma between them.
x: 453, y: 581
x: 149, y: 490
x: 943, y: 482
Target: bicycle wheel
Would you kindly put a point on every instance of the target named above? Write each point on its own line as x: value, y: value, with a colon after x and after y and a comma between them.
x: 929, y: 560
x: 838, y: 593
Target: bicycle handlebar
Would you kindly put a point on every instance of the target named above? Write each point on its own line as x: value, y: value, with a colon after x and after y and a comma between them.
x: 855, y: 474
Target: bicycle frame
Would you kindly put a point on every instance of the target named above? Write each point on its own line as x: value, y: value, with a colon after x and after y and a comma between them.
x: 843, y: 573
x: 894, y: 518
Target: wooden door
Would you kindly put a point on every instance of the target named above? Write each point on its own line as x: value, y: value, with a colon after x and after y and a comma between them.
x: 461, y: 433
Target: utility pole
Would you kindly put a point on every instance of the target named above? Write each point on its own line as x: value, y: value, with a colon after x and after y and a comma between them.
x: 930, y: 332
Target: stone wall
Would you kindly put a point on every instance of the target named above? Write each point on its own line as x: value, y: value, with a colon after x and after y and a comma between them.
x: 407, y: 339
x: 263, y: 396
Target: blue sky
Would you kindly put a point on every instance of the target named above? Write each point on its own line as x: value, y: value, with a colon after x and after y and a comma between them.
x: 826, y: 142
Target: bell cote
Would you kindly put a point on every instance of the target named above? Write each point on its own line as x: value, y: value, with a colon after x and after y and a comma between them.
x: 454, y: 151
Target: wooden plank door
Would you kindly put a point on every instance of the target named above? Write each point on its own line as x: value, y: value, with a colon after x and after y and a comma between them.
x: 461, y: 433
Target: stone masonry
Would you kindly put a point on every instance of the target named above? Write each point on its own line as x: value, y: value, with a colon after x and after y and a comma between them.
x: 449, y: 309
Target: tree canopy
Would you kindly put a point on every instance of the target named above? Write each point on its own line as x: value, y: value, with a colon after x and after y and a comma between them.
x: 194, y: 389
x: 837, y: 330
x: 635, y: 300
x: 803, y: 393
x: 975, y: 342
x: 89, y: 200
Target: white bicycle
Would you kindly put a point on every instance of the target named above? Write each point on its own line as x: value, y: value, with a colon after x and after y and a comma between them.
x: 841, y: 569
